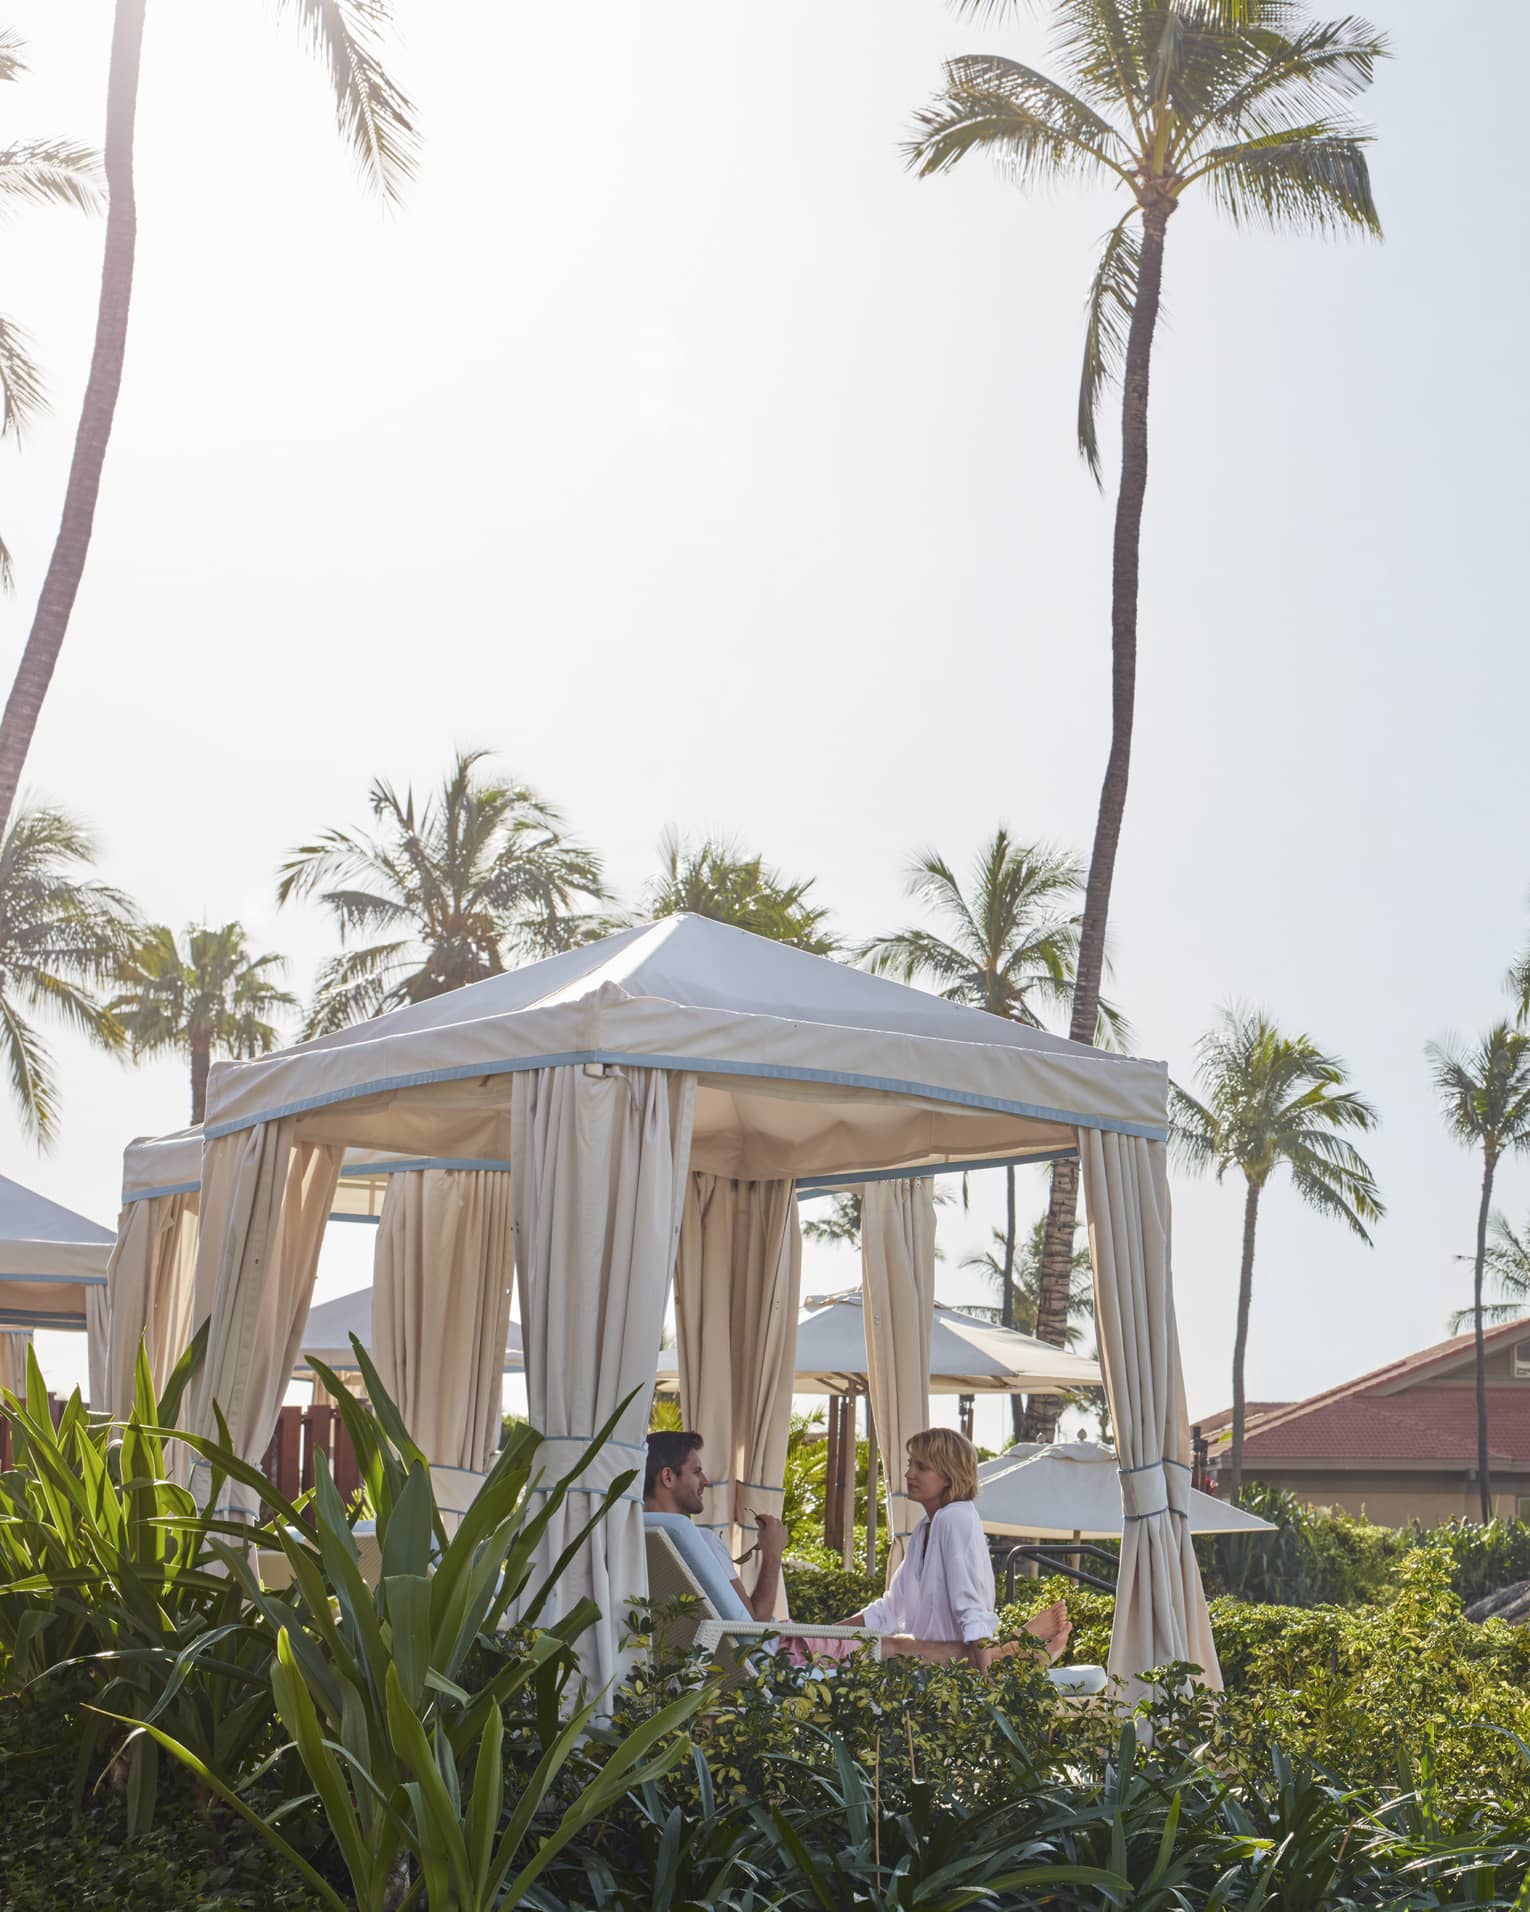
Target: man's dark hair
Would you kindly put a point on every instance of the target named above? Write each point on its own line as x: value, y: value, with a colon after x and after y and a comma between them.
x: 667, y: 1450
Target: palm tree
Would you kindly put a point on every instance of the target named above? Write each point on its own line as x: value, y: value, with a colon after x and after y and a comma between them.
x: 61, y: 935
x: 1244, y: 99
x: 1508, y: 1259
x: 213, y: 998
x: 714, y: 878
x: 1273, y: 1101
x: 375, y: 118
x: 1026, y: 1278
x: 1485, y: 1099
x: 1010, y: 946
x: 481, y: 872
x: 41, y: 172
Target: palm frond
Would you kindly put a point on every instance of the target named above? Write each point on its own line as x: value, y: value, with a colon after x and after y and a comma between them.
x: 21, y: 388
x: 1312, y: 180
x: 356, y: 985
x: 371, y: 111
x: 51, y: 172
x: 1112, y: 298
x: 34, y: 1089
x: 1035, y: 128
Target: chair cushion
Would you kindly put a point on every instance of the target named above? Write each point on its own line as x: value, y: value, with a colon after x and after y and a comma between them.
x: 706, y: 1567
x: 1078, y: 1681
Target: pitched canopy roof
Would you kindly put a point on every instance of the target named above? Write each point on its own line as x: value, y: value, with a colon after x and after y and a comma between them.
x: 49, y: 1257
x: 1074, y: 1487
x: 806, y: 1067
x: 327, y: 1334
x: 967, y: 1355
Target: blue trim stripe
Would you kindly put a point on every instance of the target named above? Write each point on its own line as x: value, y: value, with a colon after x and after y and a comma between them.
x: 811, y: 1186
x: 364, y: 1171
x: 371, y: 1221
x: 13, y: 1319
x: 694, y: 1065
x: 61, y: 1281
x: 170, y: 1188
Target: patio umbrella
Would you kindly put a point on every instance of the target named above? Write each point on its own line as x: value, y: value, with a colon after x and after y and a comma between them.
x: 52, y: 1275
x: 967, y: 1355
x: 327, y: 1336
x: 1072, y: 1489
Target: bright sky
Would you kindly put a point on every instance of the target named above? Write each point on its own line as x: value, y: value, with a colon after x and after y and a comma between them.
x: 674, y: 443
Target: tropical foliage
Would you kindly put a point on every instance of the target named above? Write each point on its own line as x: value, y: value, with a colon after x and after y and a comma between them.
x: 1484, y: 1096
x: 210, y: 997
x: 1273, y: 1102
x: 38, y: 172
x: 989, y: 1263
x: 1242, y: 101
x: 459, y: 887
x: 715, y: 878
x: 62, y: 935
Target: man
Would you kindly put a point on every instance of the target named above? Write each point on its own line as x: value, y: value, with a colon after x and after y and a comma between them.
x: 675, y: 1482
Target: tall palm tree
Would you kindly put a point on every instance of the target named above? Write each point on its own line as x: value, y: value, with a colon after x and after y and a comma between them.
x: 211, y: 998
x: 714, y: 878
x: 1508, y: 1261
x: 61, y: 936
x: 1026, y: 1276
x: 373, y: 115
x: 1010, y: 946
x: 1242, y: 99
x: 1485, y: 1100
x: 479, y: 873
x: 38, y: 172
x: 1273, y: 1101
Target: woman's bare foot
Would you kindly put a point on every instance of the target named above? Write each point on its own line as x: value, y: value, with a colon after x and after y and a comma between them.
x: 1050, y: 1629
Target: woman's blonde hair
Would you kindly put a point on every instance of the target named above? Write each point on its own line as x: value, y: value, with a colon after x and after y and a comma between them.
x: 951, y: 1454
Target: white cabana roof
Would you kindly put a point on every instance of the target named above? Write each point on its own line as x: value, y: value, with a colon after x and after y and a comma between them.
x: 783, y: 1043
x: 967, y: 1355
x: 327, y: 1335
x: 172, y: 1165
x: 1073, y: 1487
x: 49, y: 1258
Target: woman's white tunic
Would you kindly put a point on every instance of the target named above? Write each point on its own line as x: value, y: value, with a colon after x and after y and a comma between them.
x: 943, y: 1589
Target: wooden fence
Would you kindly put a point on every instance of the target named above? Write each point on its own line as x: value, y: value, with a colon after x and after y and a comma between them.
x: 301, y: 1432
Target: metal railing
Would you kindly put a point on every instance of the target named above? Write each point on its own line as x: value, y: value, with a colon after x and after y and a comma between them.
x: 1054, y: 1556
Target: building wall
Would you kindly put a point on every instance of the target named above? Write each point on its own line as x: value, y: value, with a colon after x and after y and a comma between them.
x: 1393, y: 1499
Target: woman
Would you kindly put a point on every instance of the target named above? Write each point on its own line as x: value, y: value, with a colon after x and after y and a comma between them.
x: 940, y: 1603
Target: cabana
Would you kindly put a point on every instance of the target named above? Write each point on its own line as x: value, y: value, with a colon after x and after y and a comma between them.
x: 662, y: 1095
x: 52, y: 1275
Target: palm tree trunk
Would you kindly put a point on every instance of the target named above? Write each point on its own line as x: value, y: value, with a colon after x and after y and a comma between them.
x: 1007, y: 1287
x: 1062, y: 1209
x: 1484, y: 1474
x: 56, y: 600
x: 1240, y: 1336
x: 201, y: 1062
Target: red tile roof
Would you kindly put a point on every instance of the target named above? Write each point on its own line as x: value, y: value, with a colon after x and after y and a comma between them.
x: 1210, y: 1424
x: 1427, y: 1425
x: 1393, y: 1414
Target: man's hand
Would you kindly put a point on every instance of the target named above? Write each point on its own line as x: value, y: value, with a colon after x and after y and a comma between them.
x: 772, y: 1535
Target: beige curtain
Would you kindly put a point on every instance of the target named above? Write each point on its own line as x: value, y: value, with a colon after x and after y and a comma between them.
x: 898, y: 1273
x: 600, y: 1166
x: 13, y: 1361
x: 737, y: 1279
x: 265, y: 1200
x: 444, y: 1268
x: 150, y: 1287
x: 97, y: 1327
x: 1160, y: 1603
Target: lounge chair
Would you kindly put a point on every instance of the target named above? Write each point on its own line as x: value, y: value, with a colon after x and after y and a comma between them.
x: 670, y: 1574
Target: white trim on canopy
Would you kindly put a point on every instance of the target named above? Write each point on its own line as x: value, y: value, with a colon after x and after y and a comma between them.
x: 50, y: 1260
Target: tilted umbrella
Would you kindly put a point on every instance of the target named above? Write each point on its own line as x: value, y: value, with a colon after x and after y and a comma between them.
x: 1071, y: 1490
